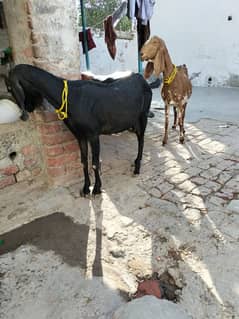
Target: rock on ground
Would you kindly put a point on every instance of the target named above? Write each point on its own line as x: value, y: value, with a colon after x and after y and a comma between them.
x: 150, y: 307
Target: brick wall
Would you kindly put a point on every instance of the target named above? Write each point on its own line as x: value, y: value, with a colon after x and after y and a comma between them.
x: 60, y: 149
x: 44, y: 35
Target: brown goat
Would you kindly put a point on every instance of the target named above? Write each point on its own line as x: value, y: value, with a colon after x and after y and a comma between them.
x: 177, y: 87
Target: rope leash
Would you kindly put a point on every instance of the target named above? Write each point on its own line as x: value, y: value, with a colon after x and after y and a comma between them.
x: 170, y: 79
x: 64, y: 105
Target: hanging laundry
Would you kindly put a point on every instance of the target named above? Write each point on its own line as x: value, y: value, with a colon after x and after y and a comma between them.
x: 110, y: 36
x: 89, y: 39
x: 142, y: 11
x: 145, y: 10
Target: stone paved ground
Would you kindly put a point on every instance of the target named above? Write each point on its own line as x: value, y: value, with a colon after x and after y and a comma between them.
x: 175, y: 216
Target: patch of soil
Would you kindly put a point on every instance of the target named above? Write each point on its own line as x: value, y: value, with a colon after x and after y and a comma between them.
x: 55, y: 232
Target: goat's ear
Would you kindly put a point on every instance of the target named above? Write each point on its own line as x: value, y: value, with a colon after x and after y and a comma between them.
x: 148, y: 70
x: 159, y: 63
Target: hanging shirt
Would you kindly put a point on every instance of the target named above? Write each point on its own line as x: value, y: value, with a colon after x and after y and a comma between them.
x: 145, y: 10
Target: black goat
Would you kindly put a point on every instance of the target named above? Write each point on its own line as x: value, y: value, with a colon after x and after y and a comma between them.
x: 94, y: 108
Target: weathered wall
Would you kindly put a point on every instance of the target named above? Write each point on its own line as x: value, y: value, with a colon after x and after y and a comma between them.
x: 20, y: 153
x: 18, y: 30
x: 45, y: 35
x: 55, y: 37
x: 102, y: 63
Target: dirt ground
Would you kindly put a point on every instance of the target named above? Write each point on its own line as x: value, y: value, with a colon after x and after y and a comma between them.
x: 63, y: 256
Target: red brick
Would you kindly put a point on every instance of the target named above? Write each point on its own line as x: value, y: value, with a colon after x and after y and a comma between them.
x: 28, y: 150
x: 71, y: 147
x: 29, y: 163
x: 68, y: 136
x: 74, y: 166
x: 49, y: 116
x: 54, y: 150
x: 36, y: 171
x: 57, y: 138
x: 56, y: 171
x: 7, y: 181
x: 63, y: 159
x: 50, y: 128
x: 9, y: 170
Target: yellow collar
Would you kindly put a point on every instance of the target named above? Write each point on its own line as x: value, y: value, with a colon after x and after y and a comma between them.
x: 63, y: 114
x: 170, y: 78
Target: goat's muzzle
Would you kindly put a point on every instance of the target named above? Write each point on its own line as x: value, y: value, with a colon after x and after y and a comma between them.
x: 24, y: 116
x: 144, y: 57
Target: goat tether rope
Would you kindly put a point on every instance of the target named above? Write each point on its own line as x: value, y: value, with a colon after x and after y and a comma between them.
x: 60, y: 112
x: 170, y: 79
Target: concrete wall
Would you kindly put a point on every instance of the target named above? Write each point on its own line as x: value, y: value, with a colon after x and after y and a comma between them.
x: 199, y: 34
x: 18, y: 30
x: 55, y: 36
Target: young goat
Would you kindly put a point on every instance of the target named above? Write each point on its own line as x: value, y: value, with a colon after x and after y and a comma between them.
x: 177, y: 87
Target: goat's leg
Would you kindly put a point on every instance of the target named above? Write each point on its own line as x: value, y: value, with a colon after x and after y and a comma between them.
x: 95, y: 148
x: 140, y: 136
x: 165, y: 138
x: 84, y: 160
x: 180, y: 122
x: 183, y: 116
x: 175, y: 118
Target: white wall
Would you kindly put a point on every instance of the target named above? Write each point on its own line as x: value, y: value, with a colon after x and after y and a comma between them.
x: 102, y: 63
x: 197, y: 33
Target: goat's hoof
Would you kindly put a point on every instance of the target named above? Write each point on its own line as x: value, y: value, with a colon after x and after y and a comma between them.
x: 164, y: 143
x: 84, y: 192
x: 181, y: 140
x: 174, y: 127
x: 96, y: 191
x: 136, y: 172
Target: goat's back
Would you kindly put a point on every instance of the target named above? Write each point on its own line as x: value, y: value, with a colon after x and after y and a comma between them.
x: 110, y: 106
x: 180, y: 89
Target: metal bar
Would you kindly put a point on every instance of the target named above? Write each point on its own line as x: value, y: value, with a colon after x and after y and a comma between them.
x: 83, y: 18
x: 140, y: 64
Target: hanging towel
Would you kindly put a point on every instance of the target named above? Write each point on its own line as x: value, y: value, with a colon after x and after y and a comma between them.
x: 110, y: 36
x: 89, y: 39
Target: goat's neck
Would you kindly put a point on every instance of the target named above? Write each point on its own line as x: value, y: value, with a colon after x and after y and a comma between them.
x: 168, y: 65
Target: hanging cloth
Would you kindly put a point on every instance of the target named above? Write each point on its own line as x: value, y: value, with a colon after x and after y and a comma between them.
x: 89, y: 38
x: 110, y: 36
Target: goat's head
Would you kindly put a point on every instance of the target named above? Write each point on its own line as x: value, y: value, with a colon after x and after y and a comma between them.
x: 154, y: 52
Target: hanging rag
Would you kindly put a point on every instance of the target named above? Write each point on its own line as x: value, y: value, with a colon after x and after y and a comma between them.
x: 110, y: 36
x: 89, y: 39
